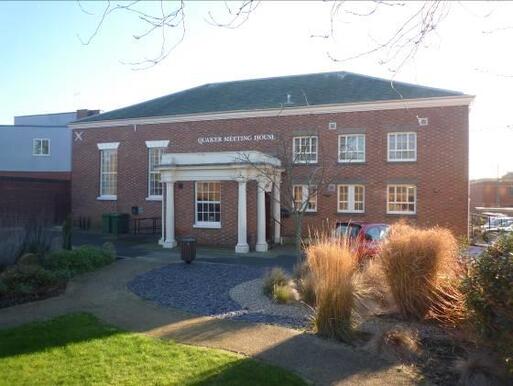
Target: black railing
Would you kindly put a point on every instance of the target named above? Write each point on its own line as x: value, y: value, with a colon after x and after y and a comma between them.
x: 151, y: 225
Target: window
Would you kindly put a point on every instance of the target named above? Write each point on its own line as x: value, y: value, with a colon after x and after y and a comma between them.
x: 351, y: 198
x: 305, y: 149
x: 351, y: 148
x: 402, y: 147
x: 349, y: 230
x: 108, y: 172
x: 154, y: 185
x: 305, y: 198
x: 376, y: 233
x: 208, y: 204
x: 401, y: 199
x: 40, y: 146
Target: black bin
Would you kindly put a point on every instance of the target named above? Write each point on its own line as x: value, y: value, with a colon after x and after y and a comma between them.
x: 188, y: 249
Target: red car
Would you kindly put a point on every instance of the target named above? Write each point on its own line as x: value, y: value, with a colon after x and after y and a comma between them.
x: 367, y: 236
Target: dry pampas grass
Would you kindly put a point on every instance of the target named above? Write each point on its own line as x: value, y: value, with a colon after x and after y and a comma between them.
x: 422, y: 270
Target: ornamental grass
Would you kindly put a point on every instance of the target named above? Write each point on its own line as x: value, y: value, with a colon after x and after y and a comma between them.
x: 423, y: 272
x: 332, y: 264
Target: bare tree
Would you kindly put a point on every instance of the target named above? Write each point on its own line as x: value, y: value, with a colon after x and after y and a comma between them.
x: 305, y: 175
x: 414, y: 23
x: 169, y: 19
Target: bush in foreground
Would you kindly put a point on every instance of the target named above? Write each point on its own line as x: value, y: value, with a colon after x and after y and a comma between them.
x: 85, y: 258
x: 274, y: 278
x: 305, y: 283
x: 34, y: 278
x: 488, y: 290
x: 332, y: 264
x: 422, y: 270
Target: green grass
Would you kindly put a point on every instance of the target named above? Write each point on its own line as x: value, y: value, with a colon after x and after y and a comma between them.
x: 78, y: 349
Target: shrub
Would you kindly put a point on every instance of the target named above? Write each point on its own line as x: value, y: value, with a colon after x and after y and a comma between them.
x: 332, y: 264
x: 371, y: 292
x: 422, y: 269
x: 397, y: 343
x: 488, y: 293
x: 82, y: 259
x: 276, y: 277
x: 283, y: 293
x: 24, y: 282
x: 304, y: 283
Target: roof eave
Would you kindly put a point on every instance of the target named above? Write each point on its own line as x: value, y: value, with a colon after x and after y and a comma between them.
x: 455, y: 100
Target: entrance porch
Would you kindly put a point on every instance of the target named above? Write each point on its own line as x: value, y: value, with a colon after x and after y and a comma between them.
x: 207, y: 169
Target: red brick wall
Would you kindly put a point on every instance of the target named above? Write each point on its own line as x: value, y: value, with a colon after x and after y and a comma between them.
x: 491, y: 194
x: 440, y: 172
x: 29, y: 198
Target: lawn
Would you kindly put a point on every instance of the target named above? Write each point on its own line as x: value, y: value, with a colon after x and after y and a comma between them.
x: 79, y: 349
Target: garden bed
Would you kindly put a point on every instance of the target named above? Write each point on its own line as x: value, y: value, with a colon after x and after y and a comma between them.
x: 37, y: 277
x: 227, y: 291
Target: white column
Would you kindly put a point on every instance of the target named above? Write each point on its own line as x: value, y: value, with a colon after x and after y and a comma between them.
x: 242, y: 243
x: 261, y: 245
x: 277, y: 210
x: 163, y: 216
x: 170, y: 216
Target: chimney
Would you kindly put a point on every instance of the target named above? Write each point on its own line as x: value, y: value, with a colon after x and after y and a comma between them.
x: 82, y: 113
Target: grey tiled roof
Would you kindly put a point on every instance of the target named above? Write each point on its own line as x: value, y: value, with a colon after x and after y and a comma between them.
x: 275, y: 93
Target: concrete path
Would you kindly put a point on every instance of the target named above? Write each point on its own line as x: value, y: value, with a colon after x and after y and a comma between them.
x: 104, y: 293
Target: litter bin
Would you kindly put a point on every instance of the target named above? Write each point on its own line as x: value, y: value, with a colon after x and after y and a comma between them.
x: 107, y: 222
x: 120, y: 223
x: 188, y: 249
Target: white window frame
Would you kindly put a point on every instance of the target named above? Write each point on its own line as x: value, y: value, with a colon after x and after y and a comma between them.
x: 310, y: 152
x: 41, y: 154
x: 305, y: 194
x: 407, y: 186
x: 151, y: 146
x: 389, y: 150
x: 102, y: 147
x: 206, y: 224
x: 342, y: 151
x: 350, y: 198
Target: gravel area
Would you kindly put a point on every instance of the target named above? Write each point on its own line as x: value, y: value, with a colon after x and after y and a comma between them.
x: 227, y: 291
x: 200, y: 288
x: 250, y: 296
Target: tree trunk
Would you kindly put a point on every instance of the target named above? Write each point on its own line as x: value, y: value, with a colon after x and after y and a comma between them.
x: 298, y: 225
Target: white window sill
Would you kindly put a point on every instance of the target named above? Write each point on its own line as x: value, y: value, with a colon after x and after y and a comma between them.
x: 343, y: 161
x: 40, y: 155
x: 403, y: 160
x: 208, y: 225
x: 401, y: 213
x: 153, y: 198
x: 351, y: 211
x: 107, y: 198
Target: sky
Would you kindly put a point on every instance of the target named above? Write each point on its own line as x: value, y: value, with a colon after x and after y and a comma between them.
x: 45, y: 67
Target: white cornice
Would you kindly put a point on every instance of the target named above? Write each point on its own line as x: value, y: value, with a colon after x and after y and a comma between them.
x: 462, y: 100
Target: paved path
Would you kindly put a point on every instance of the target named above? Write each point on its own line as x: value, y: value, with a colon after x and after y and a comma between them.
x: 104, y: 293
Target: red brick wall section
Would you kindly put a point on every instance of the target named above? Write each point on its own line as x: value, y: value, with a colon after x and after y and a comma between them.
x: 491, y: 194
x: 440, y: 172
x: 43, y: 200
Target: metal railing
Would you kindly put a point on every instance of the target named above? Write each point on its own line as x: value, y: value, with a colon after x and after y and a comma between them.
x: 151, y: 225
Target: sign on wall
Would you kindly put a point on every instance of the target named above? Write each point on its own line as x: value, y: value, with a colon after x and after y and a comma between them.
x: 237, y: 138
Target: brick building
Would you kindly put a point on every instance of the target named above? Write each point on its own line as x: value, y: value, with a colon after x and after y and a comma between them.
x: 35, y: 167
x: 492, y: 192
x: 393, y: 151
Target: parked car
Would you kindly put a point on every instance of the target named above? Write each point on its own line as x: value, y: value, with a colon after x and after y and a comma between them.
x: 496, y: 224
x: 367, y: 237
